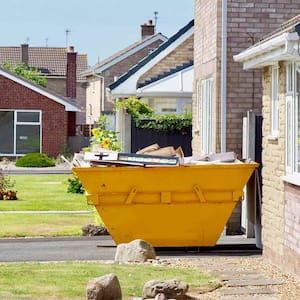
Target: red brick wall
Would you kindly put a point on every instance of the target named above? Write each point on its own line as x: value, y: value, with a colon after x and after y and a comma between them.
x: 54, y: 117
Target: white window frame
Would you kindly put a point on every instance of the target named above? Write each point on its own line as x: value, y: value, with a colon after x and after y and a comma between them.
x: 197, y: 108
x: 292, y: 126
x: 206, y: 115
x: 275, y: 103
x: 16, y: 123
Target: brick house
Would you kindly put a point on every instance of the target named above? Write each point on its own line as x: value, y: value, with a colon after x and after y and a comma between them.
x: 32, y: 118
x: 278, y: 57
x: 105, y: 72
x: 223, y: 91
x: 58, y: 65
x: 163, y: 79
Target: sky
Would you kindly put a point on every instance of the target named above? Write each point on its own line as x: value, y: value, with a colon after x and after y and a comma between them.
x: 98, y: 28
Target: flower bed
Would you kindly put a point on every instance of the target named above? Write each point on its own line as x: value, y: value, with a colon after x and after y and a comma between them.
x: 8, y: 195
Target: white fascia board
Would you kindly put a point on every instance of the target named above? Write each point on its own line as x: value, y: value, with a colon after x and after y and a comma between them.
x: 102, y: 68
x: 269, y: 52
x: 68, y: 106
x: 129, y: 85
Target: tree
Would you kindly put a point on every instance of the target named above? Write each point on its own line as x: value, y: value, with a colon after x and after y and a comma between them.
x: 27, y: 72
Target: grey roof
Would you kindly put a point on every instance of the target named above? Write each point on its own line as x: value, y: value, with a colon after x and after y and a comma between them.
x: 123, y: 51
x: 51, y: 61
x: 166, y: 74
x: 153, y: 54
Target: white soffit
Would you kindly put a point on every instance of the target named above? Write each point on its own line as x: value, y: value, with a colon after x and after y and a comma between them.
x: 179, y: 82
x: 283, y: 47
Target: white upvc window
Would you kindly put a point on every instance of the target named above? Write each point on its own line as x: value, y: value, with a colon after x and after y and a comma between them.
x: 292, y: 113
x: 198, y: 107
x: 206, y: 115
x: 20, y: 132
x: 274, y: 103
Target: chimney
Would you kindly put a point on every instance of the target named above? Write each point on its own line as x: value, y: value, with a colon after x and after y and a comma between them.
x: 147, y: 29
x: 24, y: 54
x: 71, y: 73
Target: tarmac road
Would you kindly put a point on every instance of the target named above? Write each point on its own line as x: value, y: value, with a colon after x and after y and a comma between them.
x: 57, y: 249
x: 103, y: 248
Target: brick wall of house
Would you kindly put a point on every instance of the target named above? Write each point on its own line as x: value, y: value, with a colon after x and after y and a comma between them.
x: 123, y: 66
x: 54, y: 117
x: 182, y: 54
x: 291, y: 258
x: 281, y: 201
x: 248, y: 22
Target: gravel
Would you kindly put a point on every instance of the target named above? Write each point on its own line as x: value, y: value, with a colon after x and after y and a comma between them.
x: 289, y: 290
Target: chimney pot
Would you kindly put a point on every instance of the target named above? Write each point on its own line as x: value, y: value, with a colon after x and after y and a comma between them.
x: 71, y: 49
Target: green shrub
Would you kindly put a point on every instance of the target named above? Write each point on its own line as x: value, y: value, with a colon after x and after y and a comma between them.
x: 35, y: 160
x: 74, y: 185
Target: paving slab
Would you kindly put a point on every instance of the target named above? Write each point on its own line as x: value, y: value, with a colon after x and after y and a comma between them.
x: 241, y: 277
x: 259, y: 282
x: 248, y: 291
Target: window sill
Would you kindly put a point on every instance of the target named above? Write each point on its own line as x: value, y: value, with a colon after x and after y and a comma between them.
x: 295, y: 180
x: 273, y: 137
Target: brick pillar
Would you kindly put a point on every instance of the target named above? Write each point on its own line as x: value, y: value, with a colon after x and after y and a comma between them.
x: 147, y: 29
x: 71, y: 73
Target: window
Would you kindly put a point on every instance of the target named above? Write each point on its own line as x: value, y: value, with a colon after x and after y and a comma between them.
x: 274, y: 103
x: 206, y: 115
x: 197, y: 113
x: 20, y: 132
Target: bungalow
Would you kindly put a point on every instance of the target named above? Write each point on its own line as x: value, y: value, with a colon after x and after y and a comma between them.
x: 32, y: 118
x: 278, y: 55
x: 62, y: 68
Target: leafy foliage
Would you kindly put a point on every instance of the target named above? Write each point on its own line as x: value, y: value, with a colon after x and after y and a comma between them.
x: 27, y: 72
x: 144, y: 117
x: 35, y: 160
x: 74, y: 185
x: 107, y: 139
x: 6, y: 183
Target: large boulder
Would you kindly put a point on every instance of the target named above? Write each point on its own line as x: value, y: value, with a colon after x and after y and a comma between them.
x: 135, y: 251
x: 172, y: 289
x: 106, y: 287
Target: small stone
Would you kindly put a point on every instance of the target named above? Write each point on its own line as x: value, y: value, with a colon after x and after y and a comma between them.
x: 106, y: 287
x: 94, y: 230
x: 135, y: 251
x: 171, y: 288
x: 160, y: 296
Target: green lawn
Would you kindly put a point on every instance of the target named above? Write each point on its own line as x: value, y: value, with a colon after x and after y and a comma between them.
x: 44, y: 192
x: 46, y: 225
x: 68, y: 280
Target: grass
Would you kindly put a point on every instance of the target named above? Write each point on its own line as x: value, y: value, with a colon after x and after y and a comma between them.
x: 44, y: 225
x: 68, y: 280
x: 44, y: 192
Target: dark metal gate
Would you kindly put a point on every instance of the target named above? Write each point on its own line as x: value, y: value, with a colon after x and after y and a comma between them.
x: 142, y: 137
